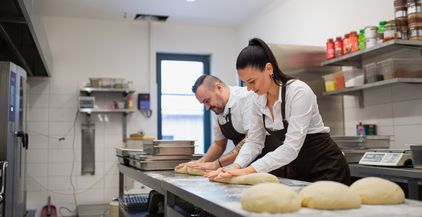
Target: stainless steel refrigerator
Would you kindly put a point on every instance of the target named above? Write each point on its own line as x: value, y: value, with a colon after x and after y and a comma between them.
x: 13, y: 139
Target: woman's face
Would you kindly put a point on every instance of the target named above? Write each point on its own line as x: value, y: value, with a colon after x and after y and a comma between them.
x: 256, y: 80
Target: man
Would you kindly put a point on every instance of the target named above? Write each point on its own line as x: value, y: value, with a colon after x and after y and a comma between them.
x: 231, y: 106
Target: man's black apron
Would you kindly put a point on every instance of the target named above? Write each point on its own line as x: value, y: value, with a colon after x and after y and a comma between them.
x: 319, y: 158
x: 228, y: 130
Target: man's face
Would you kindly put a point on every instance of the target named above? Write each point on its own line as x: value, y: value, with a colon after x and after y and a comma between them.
x: 212, y: 99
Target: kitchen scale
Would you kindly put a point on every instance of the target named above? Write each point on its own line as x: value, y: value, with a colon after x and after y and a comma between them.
x: 386, y: 157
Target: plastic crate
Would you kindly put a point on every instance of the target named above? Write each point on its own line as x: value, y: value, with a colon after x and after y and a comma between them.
x: 353, y: 77
x: 401, y: 67
x: 371, y: 73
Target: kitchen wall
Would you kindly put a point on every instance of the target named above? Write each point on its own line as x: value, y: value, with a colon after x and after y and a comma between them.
x: 84, y: 48
x: 396, y: 109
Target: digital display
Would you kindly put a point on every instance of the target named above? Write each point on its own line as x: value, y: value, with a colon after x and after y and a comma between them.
x: 390, y: 157
x: 372, y: 157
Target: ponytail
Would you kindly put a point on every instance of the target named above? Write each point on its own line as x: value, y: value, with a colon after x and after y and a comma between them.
x: 257, y: 54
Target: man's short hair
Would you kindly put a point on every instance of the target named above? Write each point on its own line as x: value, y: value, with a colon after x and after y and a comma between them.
x: 207, y: 80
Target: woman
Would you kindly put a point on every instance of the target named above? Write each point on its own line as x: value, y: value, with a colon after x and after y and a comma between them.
x: 298, y: 145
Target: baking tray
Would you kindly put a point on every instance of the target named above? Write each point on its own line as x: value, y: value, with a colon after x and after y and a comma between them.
x: 123, y: 161
x: 124, y: 152
x: 156, y: 165
x: 173, y: 150
x: 142, y: 157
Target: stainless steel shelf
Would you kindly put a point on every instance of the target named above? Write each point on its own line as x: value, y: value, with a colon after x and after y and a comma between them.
x: 356, y: 58
x: 353, y: 90
x: 100, y: 89
x: 107, y: 110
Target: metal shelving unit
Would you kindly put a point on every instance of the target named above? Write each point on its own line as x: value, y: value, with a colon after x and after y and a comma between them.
x: 394, y: 48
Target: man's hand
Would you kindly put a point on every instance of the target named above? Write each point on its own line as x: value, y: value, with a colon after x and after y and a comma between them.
x: 205, y: 166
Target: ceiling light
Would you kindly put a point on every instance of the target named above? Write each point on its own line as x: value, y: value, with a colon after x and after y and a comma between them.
x: 190, y: 0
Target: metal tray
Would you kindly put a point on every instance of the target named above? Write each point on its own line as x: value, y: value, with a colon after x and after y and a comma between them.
x: 141, y: 157
x: 173, y: 142
x: 124, y: 152
x: 123, y: 161
x: 359, y: 142
x: 156, y: 165
x: 173, y: 150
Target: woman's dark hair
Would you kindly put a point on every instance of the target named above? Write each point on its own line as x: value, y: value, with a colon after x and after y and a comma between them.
x: 257, y: 54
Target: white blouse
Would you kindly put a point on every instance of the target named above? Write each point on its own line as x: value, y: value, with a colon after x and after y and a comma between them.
x: 303, y: 117
x: 239, y: 103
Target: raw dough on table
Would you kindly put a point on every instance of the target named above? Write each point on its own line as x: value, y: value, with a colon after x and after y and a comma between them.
x: 374, y: 190
x: 190, y: 171
x: 250, y: 179
x: 329, y: 195
x: 270, y: 197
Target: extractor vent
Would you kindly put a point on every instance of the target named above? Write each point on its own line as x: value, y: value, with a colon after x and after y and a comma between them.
x: 150, y: 17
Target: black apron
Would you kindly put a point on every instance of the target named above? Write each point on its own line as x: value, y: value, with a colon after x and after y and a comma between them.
x: 319, y: 158
x: 228, y: 130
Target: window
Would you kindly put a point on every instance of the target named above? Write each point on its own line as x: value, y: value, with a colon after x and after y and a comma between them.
x: 180, y: 115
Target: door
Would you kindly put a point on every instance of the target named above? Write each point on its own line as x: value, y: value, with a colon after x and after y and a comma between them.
x: 180, y: 115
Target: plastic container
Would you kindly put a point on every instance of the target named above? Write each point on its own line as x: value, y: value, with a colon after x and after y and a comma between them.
x: 339, y: 80
x: 353, y: 77
x: 400, y: 67
x: 371, y: 73
x: 330, y: 82
x: 416, y: 150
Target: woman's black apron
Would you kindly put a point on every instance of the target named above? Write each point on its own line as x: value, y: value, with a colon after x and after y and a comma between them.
x: 319, y: 158
x: 228, y: 130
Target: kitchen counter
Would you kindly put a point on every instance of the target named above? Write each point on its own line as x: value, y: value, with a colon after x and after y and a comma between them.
x: 410, y: 176
x: 224, y: 199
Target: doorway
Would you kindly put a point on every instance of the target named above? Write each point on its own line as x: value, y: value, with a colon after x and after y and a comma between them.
x: 180, y: 115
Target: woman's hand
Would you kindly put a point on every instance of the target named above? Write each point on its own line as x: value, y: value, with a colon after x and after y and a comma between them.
x: 211, y: 174
x: 230, y: 172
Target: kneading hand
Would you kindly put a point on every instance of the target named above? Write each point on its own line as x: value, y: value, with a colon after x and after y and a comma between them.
x: 205, y: 166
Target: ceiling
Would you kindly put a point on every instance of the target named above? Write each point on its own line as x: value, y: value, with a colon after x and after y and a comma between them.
x: 201, y: 12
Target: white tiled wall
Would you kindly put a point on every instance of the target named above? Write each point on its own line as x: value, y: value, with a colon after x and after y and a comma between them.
x: 51, y: 115
x: 396, y: 109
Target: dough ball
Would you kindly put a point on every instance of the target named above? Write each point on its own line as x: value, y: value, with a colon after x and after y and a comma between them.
x: 329, y: 195
x: 270, y: 197
x: 373, y: 190
x: 195, y: 171
x: 250, y: 179
x: 183, y: 169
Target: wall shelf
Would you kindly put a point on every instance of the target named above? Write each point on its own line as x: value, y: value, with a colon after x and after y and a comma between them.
x: 356, y: 58
x: 106, y: 110
x: 100, y: 89
x: 354, y: 90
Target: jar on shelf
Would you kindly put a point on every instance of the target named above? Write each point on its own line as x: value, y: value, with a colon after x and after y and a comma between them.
x: 347, y: 48
x: 330, y: 52
x: 402, y: 28
x: 338, y: 45
x: 380, y: 31
x: 413, y: 7
x: 414, y: 20
x: 415, y: 34
x: 371, y: 32
x: 400, y: 9
x: 354, y: 42
x: 361, y: 38
x: 390, y: 31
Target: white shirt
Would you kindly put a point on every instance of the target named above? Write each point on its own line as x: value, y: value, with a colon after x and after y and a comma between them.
x: 239, y: 103
x: 303, y: 117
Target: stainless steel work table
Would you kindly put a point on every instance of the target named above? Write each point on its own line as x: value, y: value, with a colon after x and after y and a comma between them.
x: 224, y: 200
x: 409, y: 175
